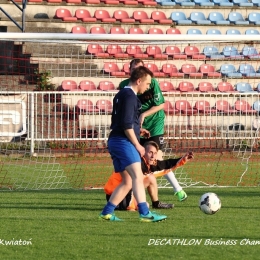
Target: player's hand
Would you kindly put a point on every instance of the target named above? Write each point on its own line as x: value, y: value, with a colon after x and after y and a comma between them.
x: 144, y: 133
x: 140, y: 150
x: 189, y: 156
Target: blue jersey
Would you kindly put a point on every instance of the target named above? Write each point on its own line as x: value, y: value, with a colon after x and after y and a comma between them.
x: 126, y: 111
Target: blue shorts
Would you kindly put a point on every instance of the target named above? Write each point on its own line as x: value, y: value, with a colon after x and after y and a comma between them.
x: 123, y: 153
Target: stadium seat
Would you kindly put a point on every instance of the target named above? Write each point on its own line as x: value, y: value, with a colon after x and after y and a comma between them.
x: 160, y: 17
x: 129, y: 2
x: 223, y: 3
x: 209, y: 71
x: 237, y: 18
x: 155, y: 31
x: 112, y: 69
x: 244, y: 87
x: 156, y: 72
x: 148, y: 2
x: 224, y: 106
x: 233, y: 32
x: 186, y: 86
x: 254, y: 18
x: 247, y: 70
x: 250, y: 52
x: 175, y: 53
x: 206, y: 87
x: 169, y: 109
x: 203, y: 107
x: 73, y: 1
x: 251, y: 32
x: 166, y: 86
x: 256, y: 106
x: 225, y: 87
x: 232, y: 53
x: 106, y: 85
x: 194, y: 31
x: 213, y: 31
x: 84, y: 15
x: 104, y: 16
x: 69, y: 85
x: 194, y: 53
x: 97, y: 50
x: 78, y: 29
x: 50, y: 1
x: 115, y: 50
x: 166, y: 2
x: 184, y: 108
x: 92, y: 2
x: 218, y: 18
x: 256, y: 3
x: 110, y: 2
x: 184, y: 2
x: 258, y: 87
x: 243, y: 107
x: 142, y: 17
x: 199, y: 18
x: 242, y: 3
x: 85, y: 106
x: 230, y: 71
x: 135, y: 30
x: 126, y: 68
x: 123, y: 17
x: 117, y: 30
x: 65, y: 15
x: 97, y: 30
x: 87, y: 85
x: 212, y: 52
x: 173, y: 31
x: 155, y: 52
x: 191, y: 71
x: 104, y: 106
x: 180, y: 18
x: 203, y: 3
x: 171, y: 71
x: 136, y: 52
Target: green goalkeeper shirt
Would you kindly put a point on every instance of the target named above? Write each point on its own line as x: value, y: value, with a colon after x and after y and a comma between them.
x: 152, y: 97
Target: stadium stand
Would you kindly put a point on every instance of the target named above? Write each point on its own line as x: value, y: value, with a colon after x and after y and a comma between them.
x: 243, y: 106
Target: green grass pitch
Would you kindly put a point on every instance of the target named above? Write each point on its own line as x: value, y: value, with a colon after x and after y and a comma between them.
x: 64, y: 224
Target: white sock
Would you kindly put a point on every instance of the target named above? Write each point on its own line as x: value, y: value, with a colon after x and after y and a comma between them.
x: 170, y: 177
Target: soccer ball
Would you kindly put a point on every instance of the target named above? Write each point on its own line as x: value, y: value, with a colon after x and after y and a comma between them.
x: 209, y: 203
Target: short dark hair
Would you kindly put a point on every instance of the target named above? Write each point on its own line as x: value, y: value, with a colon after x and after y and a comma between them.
x: 152, y: 143
x: 135, y: 61
x: 139, y: 73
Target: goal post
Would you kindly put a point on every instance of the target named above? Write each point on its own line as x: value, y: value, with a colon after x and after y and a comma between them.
x: 56, y: 97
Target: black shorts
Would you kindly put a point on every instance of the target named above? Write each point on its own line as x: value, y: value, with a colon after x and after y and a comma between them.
x: 158, y: 139
x: 124, y: 203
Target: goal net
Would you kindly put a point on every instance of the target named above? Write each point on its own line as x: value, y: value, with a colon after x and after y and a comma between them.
x: 56, y: 103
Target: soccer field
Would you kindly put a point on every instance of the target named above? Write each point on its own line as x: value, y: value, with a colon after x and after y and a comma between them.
x: 64, y: 224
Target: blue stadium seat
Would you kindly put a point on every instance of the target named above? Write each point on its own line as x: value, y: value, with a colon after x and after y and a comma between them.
x: 223, y: 2
x: 180, y: 18
x: 256, y: 3
x: 248, y: 70
x: 218, y: 18
x: 212, y: 52
x: 203, y: 2
x: 254, y: 18
x: 199, y: 18
x: 184, y: 2
x: 243, y: 3
x: 251, y: 32
x: 166, y: 2
x: 250, y: 52
x: 244, y: 87
x: 258, y: 87
x: 194, y: 31
x: 233, y: 31
x: 232, y: 52
x: 213, y: 31
x: 229, y: 71
x: 256, y: 106
x: 237, y: 18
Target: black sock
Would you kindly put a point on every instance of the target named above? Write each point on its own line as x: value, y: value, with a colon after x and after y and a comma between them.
x: 155, y: 203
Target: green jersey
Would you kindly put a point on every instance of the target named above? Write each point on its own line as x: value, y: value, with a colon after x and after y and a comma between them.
x: 150, y: 98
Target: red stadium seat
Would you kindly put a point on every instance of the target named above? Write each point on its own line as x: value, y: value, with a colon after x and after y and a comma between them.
x: 84, y: 15
x: 117, y: 30
x: 166, y: 86
x: 69, y: 85
x: 116, y: 51
x: 172, y: 71
x: 191, y: 71
x: 142, y: 17
x: 97, y: 30
x: 104, y: 106
x: 148, y: 2
x: 129, y: 2
x: 209, y: 71
x: 153, y: 67
x: 73, y: 1
x: 136, y: 52
x: 93, y: 2
x: 106, y: 85
x: 104, y: 16
x: 184, y: 108
x: 203, y: 106
x: 97, y: 50
x: 206, y: 87
x: 169, y: 109
x: 110, y: 2
x: 85, y: 106
x: 223, y: 106
x: 194, y: 53
x: 175, y: 53
x: 112, y: 69
x: 244, y: 107
x: 225, y: 87
x: 173, y: 31
x: 123, y: 17
x: 78, y: 29
x: 65, y: 15
x: 186, y: 86
x: 160, y: 17
x: 52, y: 1
x: 136, y: 30
x: 155, y: 31
x: 126, y: 68
x: 87, y: 85
x: 155, y: 52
